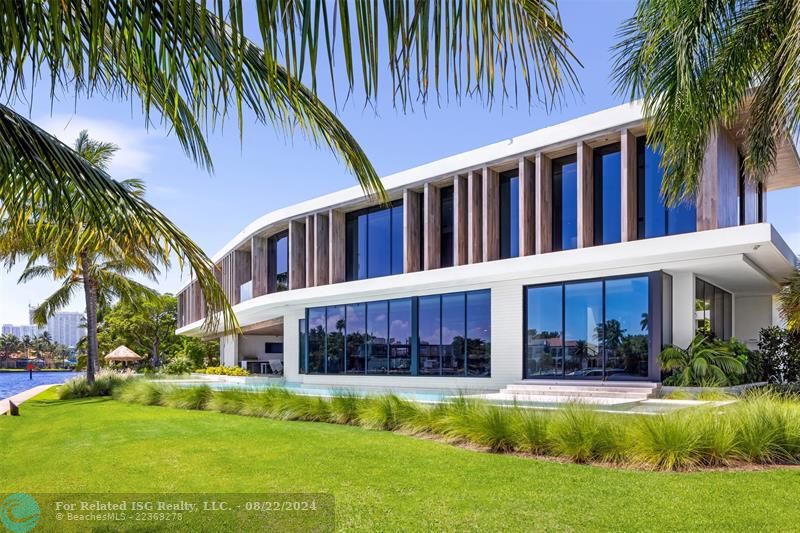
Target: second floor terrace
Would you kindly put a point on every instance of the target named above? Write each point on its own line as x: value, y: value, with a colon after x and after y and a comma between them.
x: 588, y: 182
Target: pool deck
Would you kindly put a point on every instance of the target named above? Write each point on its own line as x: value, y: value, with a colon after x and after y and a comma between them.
x: 22, y: 396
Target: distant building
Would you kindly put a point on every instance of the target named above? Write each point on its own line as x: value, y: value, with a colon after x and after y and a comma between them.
x: 64, y: 328
x: 21, y: 331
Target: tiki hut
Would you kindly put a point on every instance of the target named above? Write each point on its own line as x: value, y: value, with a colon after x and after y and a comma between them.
x: 123, y: 354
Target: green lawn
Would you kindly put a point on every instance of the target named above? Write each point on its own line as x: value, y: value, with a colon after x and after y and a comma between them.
x: 381, y: 480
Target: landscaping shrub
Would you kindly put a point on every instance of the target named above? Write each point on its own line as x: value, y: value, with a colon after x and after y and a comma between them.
x: 762, y: 428
x: 706, y: 362
x: 187, y: 397
x: 780, y: 355
x: 178, y: 365
x: 105, y: 381
x: 224, y: 371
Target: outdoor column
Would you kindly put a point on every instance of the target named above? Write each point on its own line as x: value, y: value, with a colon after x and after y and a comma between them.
x: 491, y: 214
x: 321, y: 267
x: 683, y: 308
x: 310, y: 245
x: 258, y: 246
x: 544, y: 203
x: 297, y: 254
x: 474, y: 214
x: 527, y: 207
x: 336, y: 246
x: 229, y: 350
x: 412, y: 232
x: 433, y: 229
x: 585, y: 196
x: 460, y: 220
x: 628, y: 193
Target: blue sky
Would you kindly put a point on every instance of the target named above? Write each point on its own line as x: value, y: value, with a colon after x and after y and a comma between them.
x: 268, y: 171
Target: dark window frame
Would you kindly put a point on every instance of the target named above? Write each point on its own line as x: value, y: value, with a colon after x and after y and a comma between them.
x: 599, y: 178
x: 506, y: 222
x: 557, y: 200
x: 351, y: 266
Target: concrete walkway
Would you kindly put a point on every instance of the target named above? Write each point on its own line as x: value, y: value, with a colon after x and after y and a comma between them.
x: 24, y: 395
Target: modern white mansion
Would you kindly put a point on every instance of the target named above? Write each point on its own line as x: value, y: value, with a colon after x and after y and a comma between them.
x: 546, y: 256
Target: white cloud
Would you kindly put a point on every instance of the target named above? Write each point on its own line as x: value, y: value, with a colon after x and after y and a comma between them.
x: 135, y: 152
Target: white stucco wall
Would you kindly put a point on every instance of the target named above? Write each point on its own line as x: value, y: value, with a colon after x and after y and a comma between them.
x: 751, y: 313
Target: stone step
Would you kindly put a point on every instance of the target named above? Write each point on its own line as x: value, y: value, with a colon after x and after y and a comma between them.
x: 543, y: 399
x: 585, y: 394
x: 577, y: 390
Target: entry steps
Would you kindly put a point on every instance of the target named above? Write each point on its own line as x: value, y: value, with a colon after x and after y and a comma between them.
x: 593, y: 392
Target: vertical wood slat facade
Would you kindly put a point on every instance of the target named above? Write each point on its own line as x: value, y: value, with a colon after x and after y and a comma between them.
x: 628, y: 188
x: 433, y: 226
x: 718, y: 190
x: 474, y: 215
x: 297, y: 254
x: 321, y: 243
x: 491, y: 215
x: 310, y: 245
x: 544, y: 204
x: 336, y: 247
x: 585, y: 195
x: 412, y: 232
x: 527, y: 207
x: 258, y: 247
x: 460, y: 221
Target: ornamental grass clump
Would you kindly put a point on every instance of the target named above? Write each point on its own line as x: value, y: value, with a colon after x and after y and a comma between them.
x: 194, y: 398
x: 666, y: 442
x: 485, y: 425
x: 264, y: 403
x: 141, y: 391
x: 229, y: 401
x: 761, y: 436
x: 530, y: 431
x: 716, y: 436
x: 386, y: 411
x: 344, y: 407
x: 576, y: 432
x: 106, y: 381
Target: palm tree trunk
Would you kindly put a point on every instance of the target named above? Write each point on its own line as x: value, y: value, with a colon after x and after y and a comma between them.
x: 90, y: 291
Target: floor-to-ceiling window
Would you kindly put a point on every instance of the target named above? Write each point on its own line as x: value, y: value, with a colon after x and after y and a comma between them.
x: 596, y: 329
x: 303, y: 345
x: 654, y: 217
x: 436, y: 335
x: 374, y: 242
x: 509, y: 215
x: 713, y: 310
x: 607, y: 195
x: 447, y: 219
x: 565, y: 203
x: 278, y: 262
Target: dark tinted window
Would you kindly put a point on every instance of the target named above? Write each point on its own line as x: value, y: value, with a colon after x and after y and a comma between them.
x: 377, y: 334
x: 565, y: 203
x: 447, y: 219
x: 607, y: 195
x: 509, y: 215
x: 374, y: 242
x: 356, y: 338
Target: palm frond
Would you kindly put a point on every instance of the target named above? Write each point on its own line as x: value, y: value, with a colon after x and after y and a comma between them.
x: 55, y: 302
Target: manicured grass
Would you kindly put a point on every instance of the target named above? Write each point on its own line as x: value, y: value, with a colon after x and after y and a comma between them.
x: 381, y: 480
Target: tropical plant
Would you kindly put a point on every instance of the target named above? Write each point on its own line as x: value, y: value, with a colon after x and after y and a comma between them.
x: 9, y: 344
x: 779, y: 351
x: 705, y: 362
x: 83, y: 256
x: 789, y: 301
x: 699, y: 64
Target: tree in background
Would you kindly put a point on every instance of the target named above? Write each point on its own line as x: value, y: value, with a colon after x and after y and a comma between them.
x: 9, y: 344
x: 97, y: 260
x: 148, y: 328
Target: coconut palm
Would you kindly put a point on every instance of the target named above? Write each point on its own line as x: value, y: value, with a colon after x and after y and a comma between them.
x: 705, y: 362
x: 789, y: 301
x: 82, y: 256
x: 9, y: 344
x: 192, y: 67
x: 697, y: 64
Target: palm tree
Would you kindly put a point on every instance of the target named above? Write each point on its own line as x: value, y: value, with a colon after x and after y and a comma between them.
x: 9, y: 344
x: 696, y: 64
x: 192, y: 67
x: 789, y: 301
x: 99, y: 261
x: 705, y: 362
x: 26, y: 345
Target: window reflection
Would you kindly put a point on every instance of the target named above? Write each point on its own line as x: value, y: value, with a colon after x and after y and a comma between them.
x: 447, y: 217
x: 509, y: 215
x: 655, y: 218
x: 374, y: 242
x: 377, y: 335
x: 565, y: 203
x: 316, y: 340
x: 278, y: 262
x: 334, y: 362
x: 603, y: 324
x: 430, y: 335
x: 713, y: 310
x: 356, y: 341
x: 607, y: 197
x: 400, y: 337
x: 453, y: 334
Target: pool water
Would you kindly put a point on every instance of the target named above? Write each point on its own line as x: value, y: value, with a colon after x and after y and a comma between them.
x: 12, y: 383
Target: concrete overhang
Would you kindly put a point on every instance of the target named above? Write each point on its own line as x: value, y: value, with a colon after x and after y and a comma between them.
x: 751, y: 259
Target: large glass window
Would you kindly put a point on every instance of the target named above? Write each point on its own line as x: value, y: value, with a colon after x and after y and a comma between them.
x: 278, y: 262
x: 302, y: 337
x: 509, y: 215
x: 604, y: 326
x: 400, y: 337
x: 374, y: 242
x: 447, y: 218
x: 655, y: 218
x: 607, y: 195
x: 377, y: 334
x: 436, y: 335
x: 565, y: 203
x: 583, y: 326
x: 713, y: 310
x: 356, y: 343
